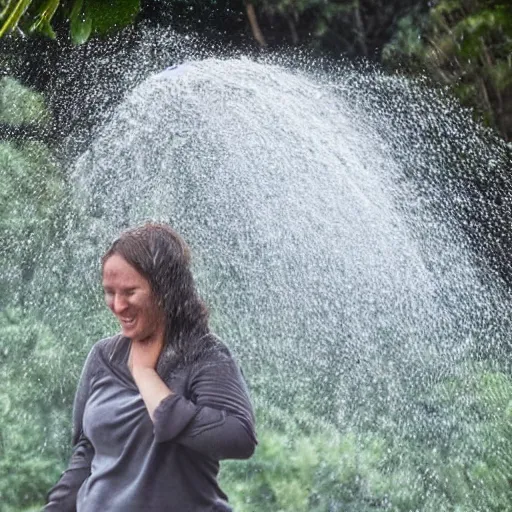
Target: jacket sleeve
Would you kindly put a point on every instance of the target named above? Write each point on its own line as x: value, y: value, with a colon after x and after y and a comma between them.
x: 62, y: 496
x: 218, y: 420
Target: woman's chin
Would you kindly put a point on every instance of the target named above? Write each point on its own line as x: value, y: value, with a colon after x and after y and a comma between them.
x: 129, y: 332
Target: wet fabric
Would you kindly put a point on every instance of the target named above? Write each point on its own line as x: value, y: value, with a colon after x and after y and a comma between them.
x: 123, y: 461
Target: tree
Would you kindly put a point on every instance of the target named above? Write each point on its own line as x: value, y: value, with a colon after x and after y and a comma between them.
x: 465, y: 44
x: 305, y: 464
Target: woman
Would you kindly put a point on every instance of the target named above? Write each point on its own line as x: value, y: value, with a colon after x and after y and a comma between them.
x: 159, y: 405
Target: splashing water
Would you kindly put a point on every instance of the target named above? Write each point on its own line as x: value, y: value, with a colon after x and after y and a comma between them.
x: 306, y: 241
x: 332, y: 270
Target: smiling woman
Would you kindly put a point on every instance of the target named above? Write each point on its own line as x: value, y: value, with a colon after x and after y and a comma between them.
x: 159, y: 405
x: 129, y: 296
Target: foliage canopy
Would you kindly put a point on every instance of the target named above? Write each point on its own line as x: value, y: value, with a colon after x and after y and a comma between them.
x: 85, y: 17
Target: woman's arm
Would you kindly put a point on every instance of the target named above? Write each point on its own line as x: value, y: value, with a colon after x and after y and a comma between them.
x: 142, y: 362
x: 218, y: 420
x: 151, y: 387
x: 62, y: 496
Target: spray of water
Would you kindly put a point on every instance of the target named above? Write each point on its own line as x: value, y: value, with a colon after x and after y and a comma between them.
x: 315, y: 207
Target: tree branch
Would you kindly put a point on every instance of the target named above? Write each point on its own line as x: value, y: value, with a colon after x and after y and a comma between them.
x: 253, y: 22
x: 361, y: 35
x: 293, y: 30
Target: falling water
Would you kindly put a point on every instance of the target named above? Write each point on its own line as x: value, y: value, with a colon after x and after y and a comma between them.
x: 316, y: 220
x: 321, y: 266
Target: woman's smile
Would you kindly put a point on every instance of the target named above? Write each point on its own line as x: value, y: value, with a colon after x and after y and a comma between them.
x: 126, y: 322
x: 129, y: 296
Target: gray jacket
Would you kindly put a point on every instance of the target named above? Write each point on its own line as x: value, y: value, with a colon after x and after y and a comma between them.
x: 124, y: 462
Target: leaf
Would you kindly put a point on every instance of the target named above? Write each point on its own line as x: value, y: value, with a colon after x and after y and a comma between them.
x: 43, y: 19
x: 47, y: 30
x: 80, y: 25
x: 76, y: 10
x: 109, y: 15
x: 14, y: 16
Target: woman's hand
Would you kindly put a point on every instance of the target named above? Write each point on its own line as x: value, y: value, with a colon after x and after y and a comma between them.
x: 142, y: 363
x: 144, y: 355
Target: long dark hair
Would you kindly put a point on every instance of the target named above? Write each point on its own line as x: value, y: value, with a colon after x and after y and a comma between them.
x: 161, y: 255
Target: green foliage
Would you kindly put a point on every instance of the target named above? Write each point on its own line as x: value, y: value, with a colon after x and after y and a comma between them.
x: 98, y: 17
x: 80, y: 23
x: 304, y: 464
x: 30, y: 424
x: 21, y: 106
x: 36, y: 388
x: 32, y: 193
x: 407, y: 43
x: 466, y: 45
x: 39, y: 371
x: 322, y: 20
x: 12, y: 13
x: 478, y: 462
x: 86, y: 17
x: 43, y: 19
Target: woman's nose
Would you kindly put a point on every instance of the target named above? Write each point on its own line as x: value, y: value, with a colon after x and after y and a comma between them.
x: 119, y: 304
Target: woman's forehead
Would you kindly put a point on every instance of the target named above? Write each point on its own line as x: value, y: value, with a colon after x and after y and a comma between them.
x: 116, y: 268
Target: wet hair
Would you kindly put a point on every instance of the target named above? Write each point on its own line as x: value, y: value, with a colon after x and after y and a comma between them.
x: 161, y: 255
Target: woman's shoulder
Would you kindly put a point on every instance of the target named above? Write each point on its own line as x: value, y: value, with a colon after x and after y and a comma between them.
x: 106, y: 348
x: 213, y: 349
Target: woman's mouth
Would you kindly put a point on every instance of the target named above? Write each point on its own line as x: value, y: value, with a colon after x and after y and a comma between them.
x: 127, y: 322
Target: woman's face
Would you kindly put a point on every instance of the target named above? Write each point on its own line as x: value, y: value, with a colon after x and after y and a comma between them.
x: 129, y: 296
